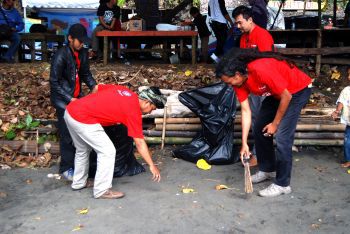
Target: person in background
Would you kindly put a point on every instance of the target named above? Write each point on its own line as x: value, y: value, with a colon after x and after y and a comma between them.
x: 287, y: 91
x: 278, y: 23
x: 108, y: 15
x: 259, y: 12
x: 10, y: 16
x: 219, y: 18
x: 112, y: 104
x: 343, y: 109
x: 253, y: 36
x: 347, y: 15
x: 69, y: 69
x: 200, y: 22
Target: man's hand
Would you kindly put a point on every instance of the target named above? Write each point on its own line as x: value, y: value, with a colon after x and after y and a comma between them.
x: 155, y: 172
x: 244, y: 152
x: 270, y: 129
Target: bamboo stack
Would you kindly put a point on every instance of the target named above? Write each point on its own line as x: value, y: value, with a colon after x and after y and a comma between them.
x: 315, y: 127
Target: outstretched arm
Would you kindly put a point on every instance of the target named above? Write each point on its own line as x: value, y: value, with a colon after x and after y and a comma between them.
x: 142, y: 148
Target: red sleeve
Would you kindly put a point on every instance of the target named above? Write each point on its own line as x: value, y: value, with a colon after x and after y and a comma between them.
x: 242, y: 93
x: 266, y: 42
x: 134, y: 125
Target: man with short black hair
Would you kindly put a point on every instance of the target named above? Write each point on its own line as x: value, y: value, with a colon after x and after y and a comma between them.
x: 10, y: 16
x: 69, y: 69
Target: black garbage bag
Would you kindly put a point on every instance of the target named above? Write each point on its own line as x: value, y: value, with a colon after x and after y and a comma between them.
x: 125, y: 161
x: 215, y: 105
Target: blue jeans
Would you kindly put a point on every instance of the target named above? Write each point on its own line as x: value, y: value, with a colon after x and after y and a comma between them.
x: 15, y: 40
x: 280, y: 160
x: 347, y: 144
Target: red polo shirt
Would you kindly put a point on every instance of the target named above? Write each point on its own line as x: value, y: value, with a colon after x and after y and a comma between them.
x: 112, y: 104
x: 268, y: 76
x: 258, y: 37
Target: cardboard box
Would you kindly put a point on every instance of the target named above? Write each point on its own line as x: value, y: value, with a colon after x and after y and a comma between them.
x: 137, y: 25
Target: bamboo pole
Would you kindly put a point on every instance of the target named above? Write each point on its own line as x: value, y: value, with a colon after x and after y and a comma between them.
x: 300, y: 127
x: 164, y: 125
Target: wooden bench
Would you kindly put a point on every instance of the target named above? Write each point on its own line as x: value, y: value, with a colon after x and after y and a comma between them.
x: 154, y: 37
x: 44, y: 38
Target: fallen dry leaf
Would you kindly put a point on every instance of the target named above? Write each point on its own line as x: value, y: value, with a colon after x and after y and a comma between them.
x: 221, y: 187
x: 315, y: 226
x: 29, y: 181
x: 3, y: 195
x: 77, y: 228
x: 187, y: 190
x: 83, y: 211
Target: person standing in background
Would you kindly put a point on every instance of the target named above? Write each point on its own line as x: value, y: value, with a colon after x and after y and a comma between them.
x: 10, y: 16
x: 108, y: 15
x: 219, y: 18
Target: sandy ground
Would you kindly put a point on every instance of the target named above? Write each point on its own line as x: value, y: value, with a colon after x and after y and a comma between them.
x: 319, y: 203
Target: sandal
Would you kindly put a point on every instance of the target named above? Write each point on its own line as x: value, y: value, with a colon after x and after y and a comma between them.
x: 110, y: 194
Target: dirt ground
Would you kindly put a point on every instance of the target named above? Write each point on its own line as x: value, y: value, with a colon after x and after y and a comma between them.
x: 30, y: 202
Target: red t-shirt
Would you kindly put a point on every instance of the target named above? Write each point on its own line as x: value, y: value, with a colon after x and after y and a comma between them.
x: 77, y: 80
x: 268, y: 76
x: 258, y: 37
x: 112, y: 104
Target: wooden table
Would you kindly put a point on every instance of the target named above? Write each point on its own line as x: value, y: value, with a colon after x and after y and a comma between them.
x: 44, y: 38
x: 153, y: 37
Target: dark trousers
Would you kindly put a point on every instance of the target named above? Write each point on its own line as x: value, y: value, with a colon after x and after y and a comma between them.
x: 67, y: 148
x: 220, y: 31
x: 280, y: 160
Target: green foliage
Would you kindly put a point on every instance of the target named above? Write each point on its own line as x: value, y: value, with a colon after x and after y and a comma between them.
x: 49, y: 137
x: 10, y: 135
x: 29, y: 123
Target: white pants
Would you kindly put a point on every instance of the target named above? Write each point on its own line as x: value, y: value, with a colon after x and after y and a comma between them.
x: 86, y: 137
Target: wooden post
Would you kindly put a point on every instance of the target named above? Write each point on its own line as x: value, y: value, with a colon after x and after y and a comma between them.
x: 105, y: 50
x: 118, y: 47
x: 194, y: 43
x: 318, y: 57
x: 165, y: 50
x: 32, y: 51
x: 44, y: 56
x: 181, y: 48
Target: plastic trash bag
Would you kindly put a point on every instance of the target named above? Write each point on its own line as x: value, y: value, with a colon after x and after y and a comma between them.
x: 125, y: 161
x: 215, y: 105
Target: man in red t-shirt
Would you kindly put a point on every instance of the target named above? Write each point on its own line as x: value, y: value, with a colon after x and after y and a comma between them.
x: 286, y: 90
x: 253, y: 37
x: 85, y: 118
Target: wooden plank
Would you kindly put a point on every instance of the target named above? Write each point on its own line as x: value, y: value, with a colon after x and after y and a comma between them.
x: 314, y: 51
x: 107, y: 33
x: 29, y: 146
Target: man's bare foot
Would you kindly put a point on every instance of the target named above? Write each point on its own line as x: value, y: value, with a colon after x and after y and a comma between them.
x: 345, y: 165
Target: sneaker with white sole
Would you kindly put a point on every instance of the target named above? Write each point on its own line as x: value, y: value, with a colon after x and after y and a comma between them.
x: 261, y: 176
x: 275, y: 190
x: 68, y: 175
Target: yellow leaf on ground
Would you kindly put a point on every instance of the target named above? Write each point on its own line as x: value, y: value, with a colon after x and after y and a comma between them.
x: 349, y: 171
x: 202, y: 164
x: 188, y: 73
x: 77, y: 228
x: 187, y: 190
x: 221, y: 187
x: 83, y: 211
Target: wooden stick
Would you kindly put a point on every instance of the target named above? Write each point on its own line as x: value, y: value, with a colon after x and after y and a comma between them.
x: 164, y: 125
x: 37, y: 144
x: 136, y: 74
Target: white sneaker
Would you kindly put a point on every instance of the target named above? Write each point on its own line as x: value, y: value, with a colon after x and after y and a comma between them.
x: 261, y: 176
x: 275, y: 190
